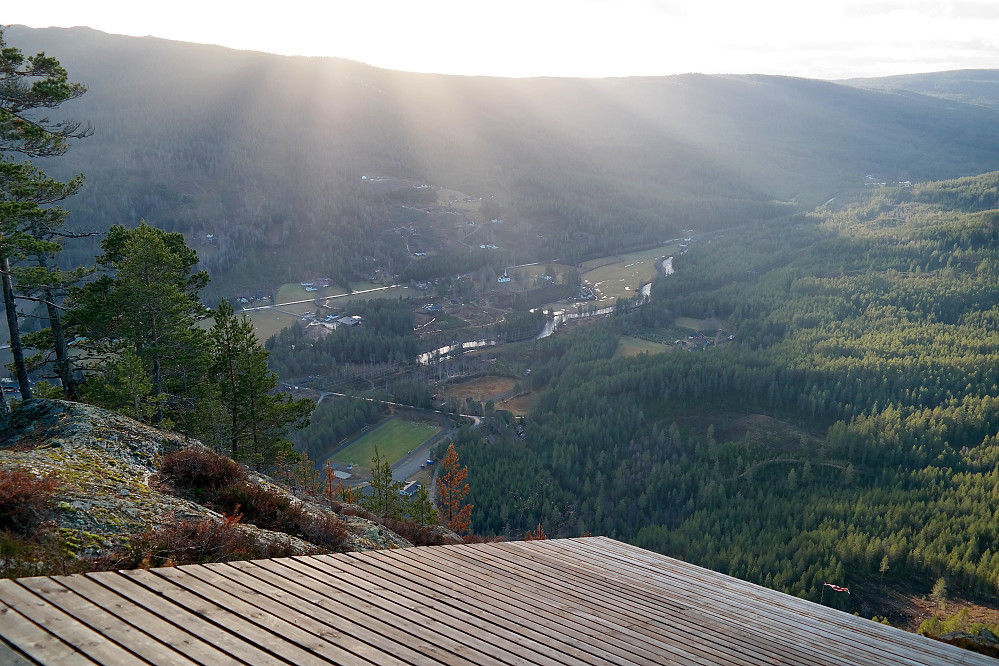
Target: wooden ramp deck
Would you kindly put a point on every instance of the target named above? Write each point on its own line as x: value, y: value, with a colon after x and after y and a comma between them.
x: 559, y: 602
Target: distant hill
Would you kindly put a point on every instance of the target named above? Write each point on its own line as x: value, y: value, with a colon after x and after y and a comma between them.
x: 267, y: 153
x: 969, y: 86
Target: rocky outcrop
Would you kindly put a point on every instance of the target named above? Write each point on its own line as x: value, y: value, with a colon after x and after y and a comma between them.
x: 108, y: 490
x: 984, y: 642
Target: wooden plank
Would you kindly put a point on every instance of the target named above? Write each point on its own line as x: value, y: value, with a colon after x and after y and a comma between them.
x: 177, y: 639
x: 35, y: 642
x: 10, y: 657
x: 730, y: 641
x: 463, y: 607
x: 535, y: 593
x: 243, y: 620
x: 521, y: 609
x: 468, y: 604
x: 430, y: 627
x: 104, y: 623
x: 748, y: 602
x: 222, y: 638
x: 594, y: 601
x: 59, y: 624
x: 762, y: 618
x: 886, y: 641
x: 345, y: 618
x: 303, y: 617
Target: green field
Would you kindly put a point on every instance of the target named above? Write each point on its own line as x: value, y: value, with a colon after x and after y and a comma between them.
x: 365, y: 295
x: 270, y: 322
x: 619, y: 277
x: 393, y: 438
x: 629, y: 346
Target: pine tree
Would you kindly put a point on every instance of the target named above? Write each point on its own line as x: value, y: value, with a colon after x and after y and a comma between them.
x: 384, y: 499
x: 422, y: 510
x: 32, y: 234
x: 150, y: 306
x: 253, y: 421
x: 28, y: 84
x: 451, y: 492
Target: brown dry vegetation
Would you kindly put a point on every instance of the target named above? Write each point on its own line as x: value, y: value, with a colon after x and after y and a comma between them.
x: 481, y: 388
x: 519, y: 405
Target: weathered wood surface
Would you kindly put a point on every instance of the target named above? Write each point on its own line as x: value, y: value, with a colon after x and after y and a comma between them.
x: 557, y: 603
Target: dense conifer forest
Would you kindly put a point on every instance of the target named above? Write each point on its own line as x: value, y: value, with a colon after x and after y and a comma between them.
x: 847, y: 433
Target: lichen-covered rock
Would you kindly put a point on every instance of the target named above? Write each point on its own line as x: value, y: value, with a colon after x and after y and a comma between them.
x: 108, y: 489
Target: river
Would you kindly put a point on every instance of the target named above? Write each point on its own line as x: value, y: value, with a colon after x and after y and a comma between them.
x: 560, y: 317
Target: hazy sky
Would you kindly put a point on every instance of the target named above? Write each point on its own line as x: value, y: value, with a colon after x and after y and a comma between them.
x: 817, y: 39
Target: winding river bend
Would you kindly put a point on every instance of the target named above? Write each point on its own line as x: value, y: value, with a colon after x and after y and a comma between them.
x: 581, y: 311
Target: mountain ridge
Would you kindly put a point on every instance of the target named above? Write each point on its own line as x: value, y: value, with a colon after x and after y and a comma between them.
x: 267, y: 152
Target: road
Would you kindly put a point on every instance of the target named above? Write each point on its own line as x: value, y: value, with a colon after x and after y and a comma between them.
x: 320, y: 298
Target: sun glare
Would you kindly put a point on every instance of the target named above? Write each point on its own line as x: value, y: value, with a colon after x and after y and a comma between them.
x: 591, y: 38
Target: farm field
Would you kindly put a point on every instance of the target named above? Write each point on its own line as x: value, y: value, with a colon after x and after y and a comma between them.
x: 620, y: 276
x: 482, y: 388
x: 629, y: 346
x: 270, y: 322
x: 364, y: 295
x: 393, y: 438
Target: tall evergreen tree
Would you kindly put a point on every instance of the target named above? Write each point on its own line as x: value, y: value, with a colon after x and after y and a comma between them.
x: 252, y: 420
x: 150, y: 305
x: 27, y: 85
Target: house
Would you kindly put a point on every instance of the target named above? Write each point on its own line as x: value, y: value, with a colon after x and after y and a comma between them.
x: 503, y: 278
x: 409, y: 489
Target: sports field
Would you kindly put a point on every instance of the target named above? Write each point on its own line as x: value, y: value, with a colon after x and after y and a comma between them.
x: 394, y: 438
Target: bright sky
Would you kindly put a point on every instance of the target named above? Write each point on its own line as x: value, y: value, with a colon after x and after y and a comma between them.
x: 825, y: 39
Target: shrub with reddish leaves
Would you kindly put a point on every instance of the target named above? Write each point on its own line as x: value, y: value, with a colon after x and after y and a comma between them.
x: 198, y: 542
x: 201, y: 469
x: 23, y: 497
x: 326, y: 531
x: 258, y: 505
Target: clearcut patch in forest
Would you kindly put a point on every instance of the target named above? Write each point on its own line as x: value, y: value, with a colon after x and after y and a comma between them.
x: 482, y: 388
x: 631, y: 346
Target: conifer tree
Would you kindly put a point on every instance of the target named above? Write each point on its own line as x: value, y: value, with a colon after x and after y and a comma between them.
x: 29, y: 84
x: 150, y: 306
x: 253, y: 420
x: 384, y: 499
x: 422, y: 510
x: 451, y: 492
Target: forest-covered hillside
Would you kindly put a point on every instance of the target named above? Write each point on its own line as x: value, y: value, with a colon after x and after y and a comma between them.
x: 972, y: 86
x: 267, y: 153
x: 847, y: 433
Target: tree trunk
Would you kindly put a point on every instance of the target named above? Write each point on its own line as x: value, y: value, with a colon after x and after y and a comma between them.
x: 63, y: 367
x: 15, y: 330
